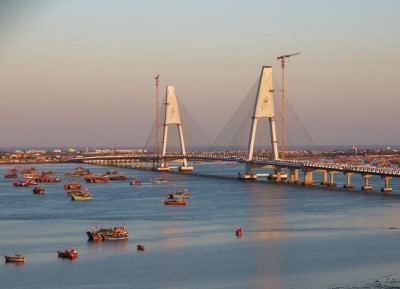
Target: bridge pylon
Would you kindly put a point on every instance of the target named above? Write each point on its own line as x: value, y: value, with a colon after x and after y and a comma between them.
x: 263, y: 108
x: 172, y: 116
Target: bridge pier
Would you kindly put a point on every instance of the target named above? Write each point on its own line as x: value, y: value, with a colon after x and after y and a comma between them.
x: 293, y: 176
x: 186, y: 168
x: 348, y: 184
x: 324, y: 178
x: 386, y: 180
x: 366, y: 186
x: 331, y: 183
x: 246, y: 177
x: 308, y: 177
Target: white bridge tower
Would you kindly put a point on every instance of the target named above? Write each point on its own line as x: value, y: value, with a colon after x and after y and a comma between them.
x: 264, y: 107
x: 172, y: 116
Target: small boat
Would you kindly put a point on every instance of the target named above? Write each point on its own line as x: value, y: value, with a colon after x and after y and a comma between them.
x: 140, y: 246
x: 11, y: 174
x: 68, y: 253
x: 17, y: 258
x: 156, y: 180
x: 84, y: 197
x: 107, y: 233
x: 239, y: 231
x: 184, y: 194
x: 38, y: 190
x: 24, y: 183
x: 72, y: 185
x: 135, y: 181
x: 96, y: 179
x: 118, y: 177
x: 175, y: 202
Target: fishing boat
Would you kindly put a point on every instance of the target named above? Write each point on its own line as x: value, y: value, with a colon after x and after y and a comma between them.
x: 24, y: 183
x: 140, y: 246
x: 135, y: 181
x: 156, y: 180
x: 107, y: 233
x: 96, y: 179
x: 29, y: 173
x: 72, y: 185
x: 17, y: 258
x: 175, y: 202
x: 118, y: 177
x: 38, y: 190
x: 11, y: 174
x: 68, y: 253
x: 81, y: 197
x: 183, y: 194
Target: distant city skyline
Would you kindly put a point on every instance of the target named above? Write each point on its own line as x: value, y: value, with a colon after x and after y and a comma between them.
x: 81, y: 73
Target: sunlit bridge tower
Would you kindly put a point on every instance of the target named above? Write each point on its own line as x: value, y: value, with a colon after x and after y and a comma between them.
x: 172, y: 116
x: 263, y: 108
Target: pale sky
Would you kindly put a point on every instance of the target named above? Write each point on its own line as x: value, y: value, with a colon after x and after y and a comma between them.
x: 81, y: 72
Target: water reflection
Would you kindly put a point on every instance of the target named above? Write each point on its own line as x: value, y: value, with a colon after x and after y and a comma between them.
x: 102, y: 247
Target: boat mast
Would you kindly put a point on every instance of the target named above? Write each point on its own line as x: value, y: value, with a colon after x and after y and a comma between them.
x: 157, y: 149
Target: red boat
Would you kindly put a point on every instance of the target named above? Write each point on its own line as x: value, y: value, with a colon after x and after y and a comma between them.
x: 38, y: 190
x: 239, y: 231
x: 17, y: 258
x: 72, y: 185
x: 175, y: 202
x: 140, y: 246
x: 96, y: 179
x: 135, y: 181
x: 11, y: 174
x: 68, y: 253
x: 24, y: 183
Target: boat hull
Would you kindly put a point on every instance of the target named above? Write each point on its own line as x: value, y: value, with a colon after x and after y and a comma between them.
x: 15, y: 259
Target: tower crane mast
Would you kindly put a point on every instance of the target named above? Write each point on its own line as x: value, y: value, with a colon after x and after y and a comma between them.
x: 282, y: 59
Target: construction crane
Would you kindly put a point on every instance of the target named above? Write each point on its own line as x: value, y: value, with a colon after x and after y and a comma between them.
x: 282, y: 58
x: 157, y: 147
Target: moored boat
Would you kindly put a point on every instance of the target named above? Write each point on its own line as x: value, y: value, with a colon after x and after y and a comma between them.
x: 38, y: 190
x: 175, y: 202
x: 135, y: 181
x: 96, y: 179
x: 108, y: 233
x: 156, y: 180
x: 17, y: 258
x: 67, y: 253
x: 118, y: 177
x: 182, y: 194
x: 24, y: 183
x: 11, y: 174
x: 140, y: 246
x: 72, y: 185
x: 81, y: 197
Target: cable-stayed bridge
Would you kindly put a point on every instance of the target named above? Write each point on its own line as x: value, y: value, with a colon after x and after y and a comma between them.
x: 250, y: 137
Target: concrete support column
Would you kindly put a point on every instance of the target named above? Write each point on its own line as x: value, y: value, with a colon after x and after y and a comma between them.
x: 348, y: 184
x: 308, y: 177
x: 324, y: 178
x: 331, y: 181
x: 278, y: 173
x: 294, y: 176
x: 366, y: 186
x: 248, y: 175
x: 386, y: 189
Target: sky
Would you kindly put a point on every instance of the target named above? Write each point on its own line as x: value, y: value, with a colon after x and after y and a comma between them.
x: 81, y: 72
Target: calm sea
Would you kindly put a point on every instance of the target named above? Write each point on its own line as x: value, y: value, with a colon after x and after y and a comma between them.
x: 294, y: 237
